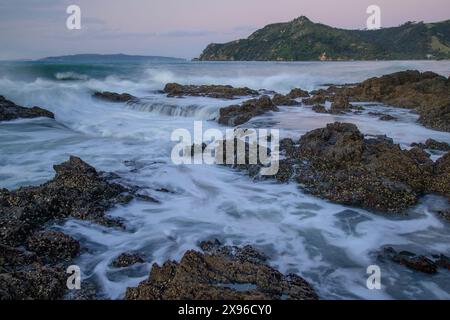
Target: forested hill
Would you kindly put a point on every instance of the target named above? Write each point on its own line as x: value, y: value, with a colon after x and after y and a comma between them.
x: 302, y: 39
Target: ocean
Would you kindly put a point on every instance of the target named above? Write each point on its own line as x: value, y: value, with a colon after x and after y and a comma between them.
x: 328, y: 244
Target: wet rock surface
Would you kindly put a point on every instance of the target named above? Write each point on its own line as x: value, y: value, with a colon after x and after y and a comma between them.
x: 127, y: 259
x: 235, y: 115
x: 10, y: 111
x: 281, y: 100
x: 222, y: 272
x: 419, y: 263
x: 339, y: 164
x: 53, y: 245
x: 297, y: 93
x: 114, y: 97
x: 433, y: 145
x: 210, y: 91
x: 32, y: 259
x: 426, y: 93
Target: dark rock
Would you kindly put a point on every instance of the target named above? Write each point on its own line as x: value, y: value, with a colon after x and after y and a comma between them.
x: 114, y: 97
x: 239, y: 114
x: 441, y: 179
x: 442, y: 261
x: 127, y: 259
x: 34, y: 281
x: 222, y: 273
x: 410, y: 260
x: 319, y: 108
x: 297, y: 93
x: 211, y: 91
x: 318, y: 98
x: 444, y: 214
x: 433, y: 145
x: 77, y: 190
x: 54, y: 245
x: 339, y: 164
x: 427, y: 93
x: 387, y: 117
x: 10, y: 111
x: 340, y: 105
x: 281, y: 100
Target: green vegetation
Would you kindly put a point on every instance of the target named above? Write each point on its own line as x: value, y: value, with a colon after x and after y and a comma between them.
x: 302, y: 39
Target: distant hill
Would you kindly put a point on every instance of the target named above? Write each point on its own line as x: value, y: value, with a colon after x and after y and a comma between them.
x: 108, y: 58
x: 302, y: 39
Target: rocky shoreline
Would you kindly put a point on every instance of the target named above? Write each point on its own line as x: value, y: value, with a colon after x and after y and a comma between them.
x: 220, y: 272
x: 33, y: 257
x: 337, y: 163
x: 10, y: 111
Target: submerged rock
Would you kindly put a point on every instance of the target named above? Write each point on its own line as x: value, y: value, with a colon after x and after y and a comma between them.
x: 221, y: 273
x: 239, y: 114
x: 211, y: 91
x: 127, y: 259
x: 10, y: 111
x: 114, y: 97
x: 411, y: 260
x: 387, y: 117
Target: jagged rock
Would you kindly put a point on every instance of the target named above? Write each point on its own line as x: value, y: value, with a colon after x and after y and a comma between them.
x: 340, y: 105
x: 427, y: 93
x: 281, y: 100
x: 114, y: 97
x: 211, y: 91
x: 10, y: 111
x: 441, y: 180
x: 127, y: 259
x: 221, y: 273
x: 433, y: 145
x: 77, y: 190
x: 297, y: 93
x: 319, y: 97
x: 239, y: 114
x: 339, y: 164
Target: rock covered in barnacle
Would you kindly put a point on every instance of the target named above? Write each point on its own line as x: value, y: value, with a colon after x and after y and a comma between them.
x: 33, y: 260
x: 211, y: 91
x: 235, y: 115
x: 339, y: 163
x: 222, y: 272
x: 127, y: 259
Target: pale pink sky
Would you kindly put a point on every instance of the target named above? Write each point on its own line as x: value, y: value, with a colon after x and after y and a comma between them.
x: 36, y: 28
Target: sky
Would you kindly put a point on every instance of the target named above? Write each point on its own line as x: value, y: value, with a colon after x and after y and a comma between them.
x: 32, y: 29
